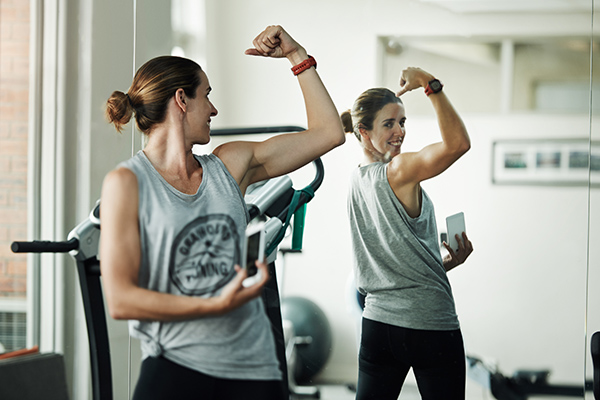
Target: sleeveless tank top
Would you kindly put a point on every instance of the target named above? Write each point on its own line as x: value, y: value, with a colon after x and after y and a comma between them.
x: 189, y: 246
x: 398, y: 264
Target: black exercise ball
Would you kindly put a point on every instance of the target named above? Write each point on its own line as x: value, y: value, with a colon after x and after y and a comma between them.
x: 309, y: 321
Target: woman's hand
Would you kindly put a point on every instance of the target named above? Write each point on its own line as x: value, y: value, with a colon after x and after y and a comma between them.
x: 465, y: 248
x: 275, y: 42
x: 235, y: 294
x: 413, y: 78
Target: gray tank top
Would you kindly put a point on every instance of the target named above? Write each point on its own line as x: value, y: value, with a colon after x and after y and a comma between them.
x: 398, y: 264
x: 190, y: 244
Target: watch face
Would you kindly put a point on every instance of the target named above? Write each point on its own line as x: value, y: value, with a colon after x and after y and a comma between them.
x: 435, y: 85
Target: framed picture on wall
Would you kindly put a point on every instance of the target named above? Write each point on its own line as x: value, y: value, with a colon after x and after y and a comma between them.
x: 546, y: 162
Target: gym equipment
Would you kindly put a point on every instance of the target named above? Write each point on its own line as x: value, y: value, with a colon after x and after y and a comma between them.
x: 311, y: 336
x: 294, y: 341
x: 275, y: 200
x: 82, y: 244
x: 522, y: 384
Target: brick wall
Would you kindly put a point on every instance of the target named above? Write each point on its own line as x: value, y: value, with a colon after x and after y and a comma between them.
x: 14, y: 81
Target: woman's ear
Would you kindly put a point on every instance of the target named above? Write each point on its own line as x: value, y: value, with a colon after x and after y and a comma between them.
x: 181, y: 100
x: 365, y: 138
x: 363, y: 131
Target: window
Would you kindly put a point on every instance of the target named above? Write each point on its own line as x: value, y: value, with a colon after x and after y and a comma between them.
x: 14, y: 89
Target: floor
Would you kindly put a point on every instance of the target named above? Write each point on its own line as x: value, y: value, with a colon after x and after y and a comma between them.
x: 341, y: 392
x: 478, y: 384
x: 477, y: 389
x: 409, y: 392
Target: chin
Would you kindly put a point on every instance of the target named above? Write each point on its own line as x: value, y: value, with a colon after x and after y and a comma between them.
x: 205, y: 138
x: 202, y: 141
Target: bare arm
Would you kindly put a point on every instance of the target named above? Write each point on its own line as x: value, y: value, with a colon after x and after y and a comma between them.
x: 412, y: 168
x: 120, y: 254
x: 250, y: 162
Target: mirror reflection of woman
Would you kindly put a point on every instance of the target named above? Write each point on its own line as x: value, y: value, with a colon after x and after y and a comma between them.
x: 172, y: 224
x: 409, y: 317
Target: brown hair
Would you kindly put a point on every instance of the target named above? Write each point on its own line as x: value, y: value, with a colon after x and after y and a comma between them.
x: 365, y: 108
x: 154, y: 84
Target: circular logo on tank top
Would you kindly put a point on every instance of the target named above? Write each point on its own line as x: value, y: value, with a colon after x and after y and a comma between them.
x: 204, y: 254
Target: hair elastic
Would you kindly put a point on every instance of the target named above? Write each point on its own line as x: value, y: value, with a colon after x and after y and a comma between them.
x: 129, y: 99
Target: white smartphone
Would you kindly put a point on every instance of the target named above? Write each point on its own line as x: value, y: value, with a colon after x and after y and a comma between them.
x: 455, y: 224
x: 253, y: 247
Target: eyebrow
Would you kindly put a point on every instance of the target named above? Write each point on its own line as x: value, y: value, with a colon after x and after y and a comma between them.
x: 385, y: 121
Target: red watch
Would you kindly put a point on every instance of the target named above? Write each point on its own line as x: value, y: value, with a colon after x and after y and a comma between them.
x: 434, y: 86
x: 304, y: 65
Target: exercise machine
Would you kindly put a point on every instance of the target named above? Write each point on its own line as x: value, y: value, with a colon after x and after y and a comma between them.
x: 275, y: 201
x: 308, y: 339
x: 524, y: 384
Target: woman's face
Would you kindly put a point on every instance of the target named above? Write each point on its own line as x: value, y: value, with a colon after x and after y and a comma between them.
x: 388, y: 131
x: 200, y: 110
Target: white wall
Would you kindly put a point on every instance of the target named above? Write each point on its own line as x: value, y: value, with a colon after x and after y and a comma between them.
x: 520, y: 297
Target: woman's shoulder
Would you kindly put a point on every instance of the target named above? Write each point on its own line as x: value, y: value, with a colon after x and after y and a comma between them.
x: 120, y: 176
x: 401, y: 170
x: 236, y: 158
x: 120, y: 183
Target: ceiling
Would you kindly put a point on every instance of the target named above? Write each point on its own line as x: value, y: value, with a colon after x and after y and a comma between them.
x: 513, y: 6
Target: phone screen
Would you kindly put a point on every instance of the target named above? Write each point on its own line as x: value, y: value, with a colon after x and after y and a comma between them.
x: 252, y: 252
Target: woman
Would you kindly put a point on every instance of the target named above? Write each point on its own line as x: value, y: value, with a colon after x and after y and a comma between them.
x: 172, y: 223
x: 409, y: 318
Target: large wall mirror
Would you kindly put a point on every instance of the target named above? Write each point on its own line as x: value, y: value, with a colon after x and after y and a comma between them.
x: 520, y: 75
x: 524, y: 77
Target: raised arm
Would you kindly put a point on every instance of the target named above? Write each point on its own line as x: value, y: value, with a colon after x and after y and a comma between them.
x: 120, y: 255
x: 412, y: 168
x: 254, y: 161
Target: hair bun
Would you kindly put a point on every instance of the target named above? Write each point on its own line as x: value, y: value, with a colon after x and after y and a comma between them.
x: 119, y: 109
x: 346, y: 118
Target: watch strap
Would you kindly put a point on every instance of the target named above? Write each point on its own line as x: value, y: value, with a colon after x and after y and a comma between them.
x: 304, y: 65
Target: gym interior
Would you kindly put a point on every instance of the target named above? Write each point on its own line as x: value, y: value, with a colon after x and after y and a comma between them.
x: 523, y: 75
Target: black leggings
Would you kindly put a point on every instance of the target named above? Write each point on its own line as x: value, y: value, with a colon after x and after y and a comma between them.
x: 388, y: 352
x: 162, y: 379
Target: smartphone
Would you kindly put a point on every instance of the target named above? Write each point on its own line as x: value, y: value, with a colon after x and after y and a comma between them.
x: 455, y: 224
x: 254, y: 247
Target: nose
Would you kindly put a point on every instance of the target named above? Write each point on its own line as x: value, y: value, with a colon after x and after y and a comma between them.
x: 398, y: 130
x: 213, y: 111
